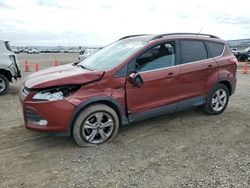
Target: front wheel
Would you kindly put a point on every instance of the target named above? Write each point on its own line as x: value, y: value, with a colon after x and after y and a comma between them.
x: 4, y: 84
x: 95, y: 125
x: 217, y: 100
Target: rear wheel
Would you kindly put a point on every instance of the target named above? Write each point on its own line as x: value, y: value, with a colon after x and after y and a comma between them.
x: 95, y: 125
x: 217, y: 100
x: 4, y: 84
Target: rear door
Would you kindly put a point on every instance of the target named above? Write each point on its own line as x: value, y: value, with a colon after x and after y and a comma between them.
x: 158, y: 70
x: 197, y: 69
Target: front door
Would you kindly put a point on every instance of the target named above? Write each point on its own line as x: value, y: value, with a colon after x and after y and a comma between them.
x: 158, y: 70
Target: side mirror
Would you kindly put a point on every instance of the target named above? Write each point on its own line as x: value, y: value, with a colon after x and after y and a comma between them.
x: 136, y: 79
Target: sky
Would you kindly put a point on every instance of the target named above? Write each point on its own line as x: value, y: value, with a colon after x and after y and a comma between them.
x: 100, y: 22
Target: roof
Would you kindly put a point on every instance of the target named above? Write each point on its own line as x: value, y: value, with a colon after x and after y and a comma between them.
x: 142, y: 37
x: 151, y: 37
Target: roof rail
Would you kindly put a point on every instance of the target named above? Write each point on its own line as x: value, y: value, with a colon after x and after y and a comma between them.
x: 129, y: 36
x: 169, y: 34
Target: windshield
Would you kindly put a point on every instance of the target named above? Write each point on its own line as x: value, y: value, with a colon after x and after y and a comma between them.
x: 112, y: 55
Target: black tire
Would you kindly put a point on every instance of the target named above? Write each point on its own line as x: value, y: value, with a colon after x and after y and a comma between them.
x: 242, y: 58
x: 5, y: 85
x: 79, y: 129
x: 208, y: 107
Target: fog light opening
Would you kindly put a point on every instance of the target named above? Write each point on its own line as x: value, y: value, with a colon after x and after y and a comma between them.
x: 41, y: 122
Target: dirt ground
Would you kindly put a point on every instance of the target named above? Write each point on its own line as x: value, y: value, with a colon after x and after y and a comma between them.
x: 186, y: 149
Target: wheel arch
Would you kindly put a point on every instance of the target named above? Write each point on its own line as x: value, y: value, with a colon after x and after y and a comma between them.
x: 109, y: 101
x: 7, y: 74
x: 227, y: 84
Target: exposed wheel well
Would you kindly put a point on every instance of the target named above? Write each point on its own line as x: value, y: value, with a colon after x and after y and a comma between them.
x: 228, y: 85
x: 7, y: 74
x: 111, y: 105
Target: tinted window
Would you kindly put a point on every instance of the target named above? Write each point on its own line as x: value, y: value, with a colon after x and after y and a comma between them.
x: 192, y: 51
x: 216, y: 49
x: 160, y: 56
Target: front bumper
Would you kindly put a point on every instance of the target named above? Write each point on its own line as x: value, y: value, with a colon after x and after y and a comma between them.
x: 46, y: 116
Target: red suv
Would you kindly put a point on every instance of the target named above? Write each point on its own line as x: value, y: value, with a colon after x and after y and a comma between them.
x: 135, y: 78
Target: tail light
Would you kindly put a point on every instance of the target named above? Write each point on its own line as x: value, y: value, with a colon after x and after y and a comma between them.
x: 233, y: 60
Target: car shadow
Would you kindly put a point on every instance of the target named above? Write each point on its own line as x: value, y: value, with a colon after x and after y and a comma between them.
x: 162, y: 121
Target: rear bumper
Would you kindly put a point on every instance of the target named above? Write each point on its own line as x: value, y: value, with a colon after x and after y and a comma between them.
x: 233, y: 84
x: 233, y: 87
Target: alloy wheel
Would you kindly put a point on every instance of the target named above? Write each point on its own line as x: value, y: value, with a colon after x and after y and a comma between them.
x: 219, y: 100
x: 97, y: 127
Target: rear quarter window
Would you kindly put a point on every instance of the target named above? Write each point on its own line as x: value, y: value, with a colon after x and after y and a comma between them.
x: 216, y: 48
x: 192, y: 50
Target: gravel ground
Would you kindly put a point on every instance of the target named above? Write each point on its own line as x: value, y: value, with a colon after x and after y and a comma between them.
x: 186, y: 149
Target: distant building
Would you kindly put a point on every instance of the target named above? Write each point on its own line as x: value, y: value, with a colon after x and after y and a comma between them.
x: 239, y: 44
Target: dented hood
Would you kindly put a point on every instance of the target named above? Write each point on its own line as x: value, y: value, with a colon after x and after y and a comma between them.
x: 61, y: 75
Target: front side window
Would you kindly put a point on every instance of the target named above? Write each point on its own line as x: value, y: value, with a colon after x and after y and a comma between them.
x: 160, y: 56
x: 192, y: 50
x: 112, y: 55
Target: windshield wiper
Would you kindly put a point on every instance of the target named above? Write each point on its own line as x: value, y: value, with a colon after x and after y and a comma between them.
x: 84, y: 67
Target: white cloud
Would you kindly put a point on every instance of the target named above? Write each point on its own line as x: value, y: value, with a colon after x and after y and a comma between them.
x: 93, y: 22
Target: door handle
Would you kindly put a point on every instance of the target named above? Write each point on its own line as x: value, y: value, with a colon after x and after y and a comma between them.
x: 171, y: 74
x: 210, y: 66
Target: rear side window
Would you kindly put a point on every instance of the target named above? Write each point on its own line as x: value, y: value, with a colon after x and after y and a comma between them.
x: 192, y: 50
x: 216, y: 49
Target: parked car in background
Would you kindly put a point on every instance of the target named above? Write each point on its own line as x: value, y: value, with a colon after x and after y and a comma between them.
x: 242, y: 55
x: 9, y: 67
x: 86, y: 53
x: 16, y: 51
x: 44, y: 51
x: 234, y: 50
x: 32, y: 51
x: 135, y: 78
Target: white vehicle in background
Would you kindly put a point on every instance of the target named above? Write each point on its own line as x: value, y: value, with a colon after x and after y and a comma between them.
x: 32, y: 51
x: 9, y: 67
x: 87, y: 52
